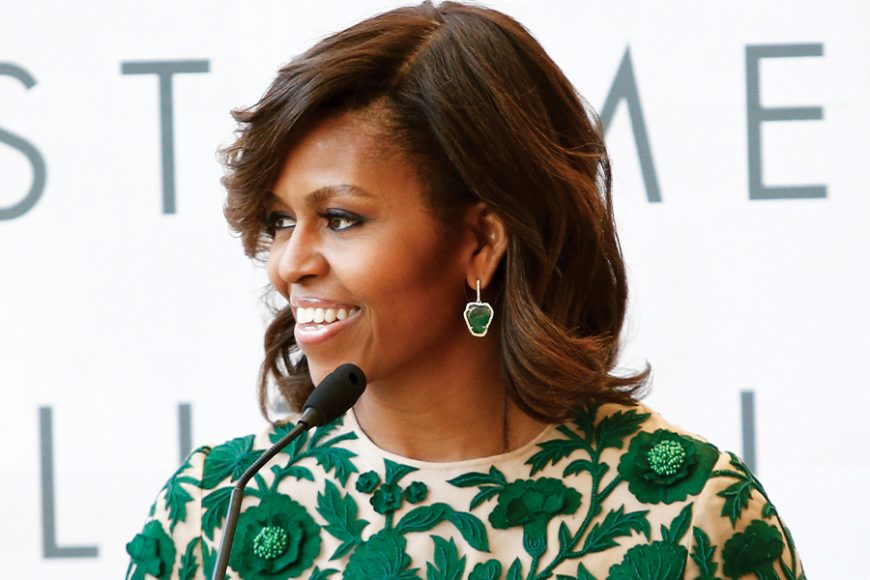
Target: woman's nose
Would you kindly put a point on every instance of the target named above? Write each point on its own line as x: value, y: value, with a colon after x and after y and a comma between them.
x: 300, y: 257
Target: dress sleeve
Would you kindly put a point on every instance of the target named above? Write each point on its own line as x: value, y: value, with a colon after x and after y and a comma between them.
x: 170, y: 545
x: 736, y: 530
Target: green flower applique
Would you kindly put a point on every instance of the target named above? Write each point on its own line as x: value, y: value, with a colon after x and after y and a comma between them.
x: 532, y: 503
x: 382, y: 557
x: 152, y: 553
x: 655, y: 561
x: 275, y: 539
x: 388, y: 498
x: 753, y: 550
x: 665, y: 467
x: 367, y: 482
x: 416, y: 492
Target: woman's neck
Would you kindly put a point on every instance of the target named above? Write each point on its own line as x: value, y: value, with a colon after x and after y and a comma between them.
x: 445, y: 413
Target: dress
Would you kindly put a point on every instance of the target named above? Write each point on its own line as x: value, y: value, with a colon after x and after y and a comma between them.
x: 614, y: 493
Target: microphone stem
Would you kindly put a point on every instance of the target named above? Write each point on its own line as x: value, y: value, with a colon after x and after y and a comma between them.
x: 223, y: 557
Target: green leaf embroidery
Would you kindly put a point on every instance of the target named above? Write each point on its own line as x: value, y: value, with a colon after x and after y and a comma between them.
x: 737, y: 496
x: 209, y: 559
x: 319, y: 434
x: 564, y: 538
x: 489, y: 570
x: 318, y: 574
x: 396, y: 471
x: 515, y: 572
x: 494, y: 477
x: 297, y: 471
x: 585, y: 419
x: 335, y: 459
x: 472, y: 530
x: 580, y: 465
x: 177, y: 498
x: 583, y: 573
x: 551, y: 452
x: 215, y: 507
x: 189, y: 564
x: 616, y: 524
x: 341, y: 518
x: 281, y: 430
x: 679, y: 526
x: 483, y: 495
x: 230, y: 459
x: 424, y: 518
x: 611, y: 430
x: 702, y: 554
x: 447, y: 564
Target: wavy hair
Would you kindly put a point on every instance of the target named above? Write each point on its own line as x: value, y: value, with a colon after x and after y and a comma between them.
x: 472, y: 96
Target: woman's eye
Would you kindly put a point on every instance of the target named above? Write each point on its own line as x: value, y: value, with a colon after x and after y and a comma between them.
x: 279, y: 221
x: 340, y: 221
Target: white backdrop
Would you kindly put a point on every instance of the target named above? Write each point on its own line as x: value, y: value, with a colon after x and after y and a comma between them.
x: 113, y: 312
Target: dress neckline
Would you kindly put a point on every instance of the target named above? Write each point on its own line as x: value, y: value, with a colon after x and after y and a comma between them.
x: 521, y: 452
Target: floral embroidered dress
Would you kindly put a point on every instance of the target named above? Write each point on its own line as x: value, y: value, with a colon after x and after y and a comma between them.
x: 615, y: 493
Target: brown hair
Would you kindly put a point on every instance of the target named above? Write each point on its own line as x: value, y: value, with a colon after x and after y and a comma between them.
x: 470, y: 92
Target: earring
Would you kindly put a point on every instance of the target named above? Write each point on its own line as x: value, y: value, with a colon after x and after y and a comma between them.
x: 478, y: 315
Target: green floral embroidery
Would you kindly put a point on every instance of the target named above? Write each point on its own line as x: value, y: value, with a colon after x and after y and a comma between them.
x: 753, y: 550
x: 387, y: 498
x: 275, y: 539
x: 325, y: 450
x: 152, y: 552
x: 382, y: 557
x: 655, y: 561
x: 532, y: 504
x: 228, y: 460
x: 271, y: 542
x: 666, y: 457
x: 416, y: 492
x: 665, y: 467
x: 590, y: 439
x: 367, y: 482
x: 490, y: 570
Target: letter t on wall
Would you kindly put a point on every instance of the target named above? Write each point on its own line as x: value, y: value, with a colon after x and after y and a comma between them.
x: 164, y: 70
x: 756, y: 115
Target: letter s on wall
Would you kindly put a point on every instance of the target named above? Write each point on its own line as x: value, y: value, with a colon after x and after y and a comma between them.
x: 25, y: 147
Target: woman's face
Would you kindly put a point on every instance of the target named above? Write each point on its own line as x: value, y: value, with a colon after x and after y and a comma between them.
x: 370, y: 274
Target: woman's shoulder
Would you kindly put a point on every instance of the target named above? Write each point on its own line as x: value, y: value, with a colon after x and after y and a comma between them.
x: 671, y: 497
x: 183, y: 528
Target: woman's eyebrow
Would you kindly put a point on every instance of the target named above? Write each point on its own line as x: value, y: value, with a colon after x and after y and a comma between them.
x: 322, y: 194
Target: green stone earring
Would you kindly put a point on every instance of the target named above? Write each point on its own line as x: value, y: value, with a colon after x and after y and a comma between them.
x: 478, y: 315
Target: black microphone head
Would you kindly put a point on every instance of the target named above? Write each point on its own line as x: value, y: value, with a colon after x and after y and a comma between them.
x: 334, y: 395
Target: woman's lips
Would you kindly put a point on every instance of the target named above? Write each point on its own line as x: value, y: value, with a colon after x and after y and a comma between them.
x: 315, y: 325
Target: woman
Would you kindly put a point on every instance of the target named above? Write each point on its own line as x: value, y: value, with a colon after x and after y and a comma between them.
x: 432, y: 198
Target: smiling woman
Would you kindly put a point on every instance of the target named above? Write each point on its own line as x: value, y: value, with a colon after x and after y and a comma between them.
x: 432, y: 198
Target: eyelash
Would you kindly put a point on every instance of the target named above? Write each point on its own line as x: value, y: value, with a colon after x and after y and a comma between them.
x: 330, y: 216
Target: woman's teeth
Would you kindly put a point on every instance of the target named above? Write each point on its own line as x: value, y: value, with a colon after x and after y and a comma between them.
x: 322, y: 315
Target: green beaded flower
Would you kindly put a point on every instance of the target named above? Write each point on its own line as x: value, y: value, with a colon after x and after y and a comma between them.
x: 754, y: 550
x: 275, y: 539
x: 655, y: 561
x: 416, y: 492
x: 665, y: 467
x: 152, y: 553
x: 388, y: 498
x: 367, y: 482
x: 532, y: 503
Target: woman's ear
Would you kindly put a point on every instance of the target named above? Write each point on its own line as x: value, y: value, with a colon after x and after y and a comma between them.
x: 490, y: 238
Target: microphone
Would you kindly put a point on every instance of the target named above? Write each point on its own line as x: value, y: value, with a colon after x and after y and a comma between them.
x: 331, y: 399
